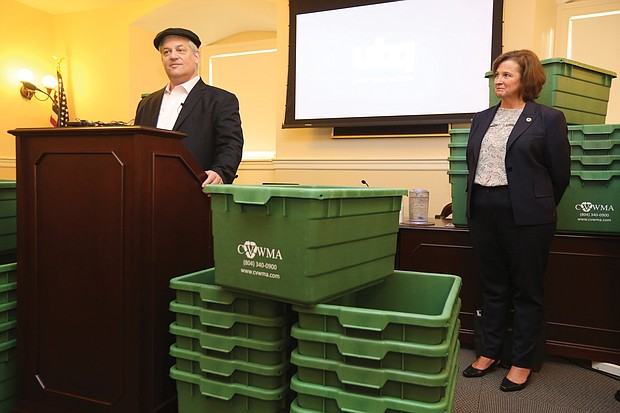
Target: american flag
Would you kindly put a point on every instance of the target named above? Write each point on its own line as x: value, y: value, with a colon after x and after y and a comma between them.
x: 60, y: 117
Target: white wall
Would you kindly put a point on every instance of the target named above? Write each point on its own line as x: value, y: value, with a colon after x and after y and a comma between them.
x: 589, y: 32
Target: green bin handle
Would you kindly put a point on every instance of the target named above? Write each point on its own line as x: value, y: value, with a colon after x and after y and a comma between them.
x: 4, y: 288
x: 376, y: 350
x: 595, y: 159
x: 595, y: 175
x: 598, y: 144
x: 374, y: 378
x: 225, y: 319
x: 352, y: 403
x: 226, y: 344
x: 225, y: 367
x: 226, y: 391
x: 4, y: 350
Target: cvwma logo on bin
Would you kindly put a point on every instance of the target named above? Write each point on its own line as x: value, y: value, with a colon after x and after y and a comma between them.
x: 590, y: 207
x: 251, y: 250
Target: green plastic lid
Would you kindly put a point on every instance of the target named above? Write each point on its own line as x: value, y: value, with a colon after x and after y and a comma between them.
x: 563, y: 60
x: 261, y: 194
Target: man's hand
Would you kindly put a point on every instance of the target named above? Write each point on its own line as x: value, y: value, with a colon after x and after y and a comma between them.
x: 213, y: 178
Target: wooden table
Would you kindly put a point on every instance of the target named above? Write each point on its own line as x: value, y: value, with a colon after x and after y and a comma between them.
x: 582, y: 305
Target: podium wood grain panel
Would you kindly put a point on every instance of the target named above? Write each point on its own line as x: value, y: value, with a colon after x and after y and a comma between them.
x: 106, y: 217
x: 76, y: 218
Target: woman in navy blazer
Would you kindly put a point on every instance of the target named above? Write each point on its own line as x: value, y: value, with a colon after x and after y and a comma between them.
x: 518, y: 157
x: 209, y: 116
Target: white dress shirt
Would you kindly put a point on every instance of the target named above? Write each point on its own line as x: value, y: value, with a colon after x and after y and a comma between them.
x: 172, y: 103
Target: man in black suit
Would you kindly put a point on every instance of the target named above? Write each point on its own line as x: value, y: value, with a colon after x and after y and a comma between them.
x: 209, y: 116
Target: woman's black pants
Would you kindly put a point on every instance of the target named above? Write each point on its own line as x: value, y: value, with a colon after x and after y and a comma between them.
x: 513, y: 260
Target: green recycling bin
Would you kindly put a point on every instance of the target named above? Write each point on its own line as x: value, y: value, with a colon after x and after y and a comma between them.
x: 303, y: 244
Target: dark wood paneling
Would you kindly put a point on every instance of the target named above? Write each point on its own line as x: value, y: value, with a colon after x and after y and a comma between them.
x: 106, y: 217
x: 582, y: 285
x: 76, y: 299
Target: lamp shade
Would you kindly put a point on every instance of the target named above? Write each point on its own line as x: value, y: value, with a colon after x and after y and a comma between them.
x: 50, y: 82
x: 25, y: 75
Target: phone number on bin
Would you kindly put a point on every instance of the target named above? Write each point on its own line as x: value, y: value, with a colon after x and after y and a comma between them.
x: 260, y: 264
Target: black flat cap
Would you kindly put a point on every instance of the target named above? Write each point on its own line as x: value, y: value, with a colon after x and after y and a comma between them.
x: 176, y: 31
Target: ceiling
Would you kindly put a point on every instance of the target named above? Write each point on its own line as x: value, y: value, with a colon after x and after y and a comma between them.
x: 212, y: 20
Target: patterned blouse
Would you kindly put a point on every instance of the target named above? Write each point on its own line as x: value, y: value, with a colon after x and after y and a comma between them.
x: 491, y: 170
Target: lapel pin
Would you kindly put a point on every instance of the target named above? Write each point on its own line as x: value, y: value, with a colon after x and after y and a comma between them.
x: 528, y: 119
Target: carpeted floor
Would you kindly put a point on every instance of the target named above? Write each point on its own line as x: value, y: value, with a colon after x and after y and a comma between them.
x: 561, y: 386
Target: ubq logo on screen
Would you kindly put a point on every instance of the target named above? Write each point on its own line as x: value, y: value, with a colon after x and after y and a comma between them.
x: 251, y: 250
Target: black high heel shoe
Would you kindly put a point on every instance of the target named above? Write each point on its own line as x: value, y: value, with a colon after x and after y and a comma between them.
x: 508, y: 385
x: 471, y: 371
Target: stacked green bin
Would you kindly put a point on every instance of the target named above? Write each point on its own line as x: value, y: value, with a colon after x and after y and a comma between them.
x: 8, y: 335
x: 457, y: 174
x: 579, y: 90
x: 389, y: 347
x: 8, y: 222
x: 231, y: 350
x: 591, y: 203
x: 303, y: 244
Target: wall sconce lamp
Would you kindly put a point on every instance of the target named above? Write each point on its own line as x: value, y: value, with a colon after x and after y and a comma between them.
x: 29, y: 89
x: 54, y: 91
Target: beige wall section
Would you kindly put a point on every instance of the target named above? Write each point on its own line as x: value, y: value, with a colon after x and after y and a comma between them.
x: 111, y: 62
x: 97, y: 44
x: 146, y: 74
x: 225, y: 64
x: 529, y: 24
x: 98, y: 72
x: 22, y: 47
x: 593, y: 25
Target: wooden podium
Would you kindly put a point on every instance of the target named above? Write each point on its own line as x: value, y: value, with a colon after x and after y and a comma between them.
x: 106, y: 217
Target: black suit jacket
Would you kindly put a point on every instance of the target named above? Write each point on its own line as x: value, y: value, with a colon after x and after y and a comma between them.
x: 537, y: 161
x: 210, y: 119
